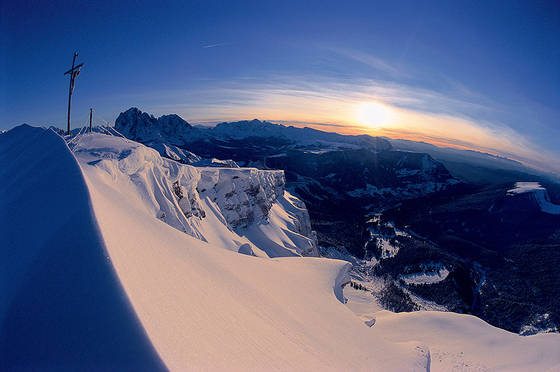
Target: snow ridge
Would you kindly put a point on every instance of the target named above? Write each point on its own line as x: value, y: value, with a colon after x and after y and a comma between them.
x: 62, y: 305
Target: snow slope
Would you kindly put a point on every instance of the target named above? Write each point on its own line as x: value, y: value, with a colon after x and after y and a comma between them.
x: 200, y: 306
x: 465, y: 343
x: 205, y: 307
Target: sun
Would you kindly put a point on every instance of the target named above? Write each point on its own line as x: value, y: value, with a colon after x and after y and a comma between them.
x: 374, y: 114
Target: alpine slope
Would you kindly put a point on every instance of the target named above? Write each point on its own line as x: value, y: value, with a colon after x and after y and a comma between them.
x: 114, y: 258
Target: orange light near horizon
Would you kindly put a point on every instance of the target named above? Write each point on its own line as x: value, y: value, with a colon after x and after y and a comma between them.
x: 374, y: 114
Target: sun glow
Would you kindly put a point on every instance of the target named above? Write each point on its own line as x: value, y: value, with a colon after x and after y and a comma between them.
x: 374, y: 114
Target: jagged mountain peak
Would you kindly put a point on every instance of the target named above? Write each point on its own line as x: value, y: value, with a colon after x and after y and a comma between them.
x: 138, y: 125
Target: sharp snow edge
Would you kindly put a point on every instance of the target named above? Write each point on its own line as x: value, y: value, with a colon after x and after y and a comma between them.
x: 62, y: 306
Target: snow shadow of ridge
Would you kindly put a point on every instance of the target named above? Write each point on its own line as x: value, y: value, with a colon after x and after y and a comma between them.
x: 62, y: 306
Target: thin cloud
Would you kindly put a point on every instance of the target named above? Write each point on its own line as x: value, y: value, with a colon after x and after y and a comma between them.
x: 367, y: 59
x: 215, y: 45
x: 457, y: 118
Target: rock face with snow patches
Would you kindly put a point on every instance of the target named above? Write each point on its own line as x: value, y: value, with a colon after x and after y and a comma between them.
x: 243, y: 195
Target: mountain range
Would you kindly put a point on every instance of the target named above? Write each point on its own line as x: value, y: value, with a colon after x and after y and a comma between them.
x: 453, y: 208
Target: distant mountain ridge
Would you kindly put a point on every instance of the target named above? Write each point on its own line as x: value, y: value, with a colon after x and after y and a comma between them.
x: 143, y: 127
x: 468, y: 165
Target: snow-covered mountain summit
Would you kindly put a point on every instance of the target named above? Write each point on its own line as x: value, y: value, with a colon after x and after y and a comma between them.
x: 100, y: 271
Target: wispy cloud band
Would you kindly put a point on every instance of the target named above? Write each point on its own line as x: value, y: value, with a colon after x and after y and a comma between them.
x: 458, y: 118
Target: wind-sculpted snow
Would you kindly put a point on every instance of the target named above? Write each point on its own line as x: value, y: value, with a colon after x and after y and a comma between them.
x: 195, y: 199
x: 176, y: 153
x: 167, y: 188
x: 62, y: 306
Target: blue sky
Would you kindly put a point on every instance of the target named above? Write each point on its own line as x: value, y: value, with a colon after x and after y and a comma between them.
x: 483, y: 75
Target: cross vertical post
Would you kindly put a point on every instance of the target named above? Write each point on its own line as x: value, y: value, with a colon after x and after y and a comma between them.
x: 90, y: 115
x: 74, y: 72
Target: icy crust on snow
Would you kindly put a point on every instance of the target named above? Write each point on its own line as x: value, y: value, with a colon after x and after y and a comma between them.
x: 538, y: 192
x: 196, y: 200
x: 62, y: 306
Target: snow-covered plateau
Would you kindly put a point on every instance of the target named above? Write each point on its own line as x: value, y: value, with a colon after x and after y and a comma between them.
x: 116, y: 258
x: 538, y: 193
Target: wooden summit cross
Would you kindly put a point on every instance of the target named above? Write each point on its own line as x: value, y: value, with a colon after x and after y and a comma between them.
x: 74, y: 72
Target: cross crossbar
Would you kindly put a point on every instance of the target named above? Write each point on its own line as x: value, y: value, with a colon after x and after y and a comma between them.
x: 73, y: 69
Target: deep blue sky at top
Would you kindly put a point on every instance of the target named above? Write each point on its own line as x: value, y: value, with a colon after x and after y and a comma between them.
x: 507, y: 52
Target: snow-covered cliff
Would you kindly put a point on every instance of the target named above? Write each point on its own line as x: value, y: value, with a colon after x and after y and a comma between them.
x: 195, y: 199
